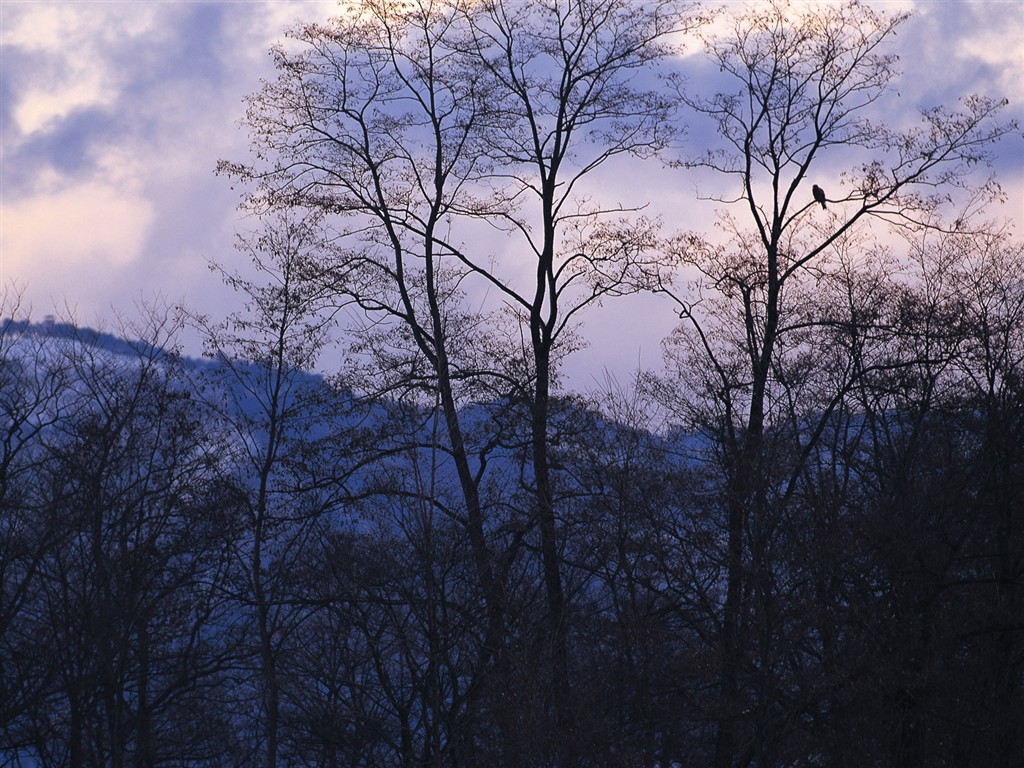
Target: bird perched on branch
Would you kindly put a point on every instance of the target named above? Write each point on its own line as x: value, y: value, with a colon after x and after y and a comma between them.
x: 819, y: 196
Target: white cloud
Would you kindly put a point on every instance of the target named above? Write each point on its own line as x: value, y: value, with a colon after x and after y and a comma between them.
x: 92, y: 224
x: 997, y: 42
x: 264, y: 24
x: 953, y: 39
x: 145, y: 212
x: 72, y: 42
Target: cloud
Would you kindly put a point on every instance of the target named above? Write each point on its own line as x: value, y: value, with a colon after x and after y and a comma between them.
x: 114, y: 116
x: 85, y: 229
x: 995, y: 41
x: 954, y: 49
x: 61, y: 54
x: 113, y: 124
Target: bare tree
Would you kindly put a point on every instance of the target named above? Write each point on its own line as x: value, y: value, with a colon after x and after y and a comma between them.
x: 124, y: 595
x: 561, y: 73
x: 413, y: 122
x: 30, y: 405
x: 808, y: 82
x: 373, y: 119
x: 292, y: 442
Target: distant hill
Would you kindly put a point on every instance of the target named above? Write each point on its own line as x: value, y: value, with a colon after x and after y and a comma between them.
x: 70, y: 332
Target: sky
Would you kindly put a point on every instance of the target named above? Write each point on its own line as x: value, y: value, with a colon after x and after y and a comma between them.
x: 113, y: 116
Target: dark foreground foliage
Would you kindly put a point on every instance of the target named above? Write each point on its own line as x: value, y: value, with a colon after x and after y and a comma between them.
x: 158, y: 610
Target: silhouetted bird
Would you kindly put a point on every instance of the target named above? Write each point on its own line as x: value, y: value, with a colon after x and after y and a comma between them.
x: 819, y: 196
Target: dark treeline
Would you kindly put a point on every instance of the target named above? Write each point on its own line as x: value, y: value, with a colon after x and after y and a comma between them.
x: 802, y: 544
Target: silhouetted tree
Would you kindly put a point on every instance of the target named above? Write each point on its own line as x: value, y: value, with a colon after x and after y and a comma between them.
x: 31, y: 383
x: 292, y: 443
x: 409, y: 123
x: 808, y: 81
x: 122, y: 619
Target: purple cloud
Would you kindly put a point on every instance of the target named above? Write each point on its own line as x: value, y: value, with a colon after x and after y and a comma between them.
x: 114, y: 117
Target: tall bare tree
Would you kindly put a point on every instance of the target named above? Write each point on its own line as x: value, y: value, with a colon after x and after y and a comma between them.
x: 291, y: 443
x: 806, y: 89
x: 412, y: 125
x: 372, y: 120
x: 561, y: 75
x: 120, y: 624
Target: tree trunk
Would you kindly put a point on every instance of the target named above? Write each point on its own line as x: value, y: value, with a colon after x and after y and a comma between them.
x: 551, y: 563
